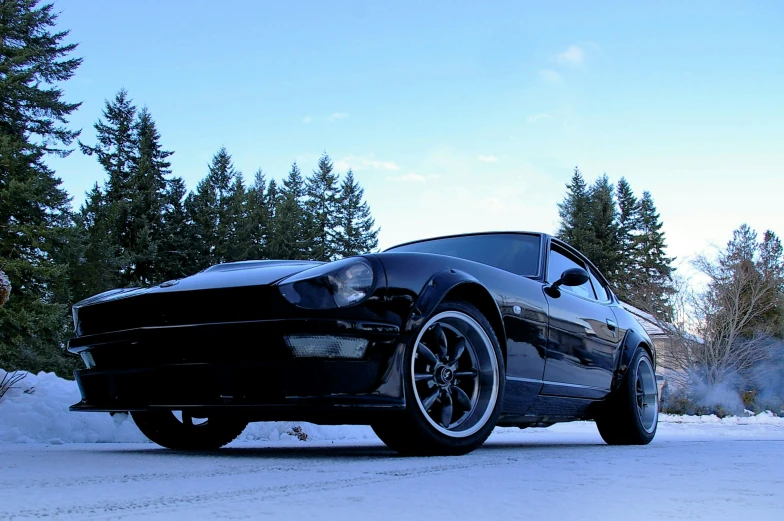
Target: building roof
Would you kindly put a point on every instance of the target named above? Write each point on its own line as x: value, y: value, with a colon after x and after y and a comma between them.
x: 646, y: 320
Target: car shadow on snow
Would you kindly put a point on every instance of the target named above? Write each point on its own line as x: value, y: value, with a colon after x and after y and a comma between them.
x: 304, y: 452
x: 343, y: 452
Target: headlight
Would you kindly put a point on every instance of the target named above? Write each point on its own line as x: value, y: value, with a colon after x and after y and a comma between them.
x: 334, y: 285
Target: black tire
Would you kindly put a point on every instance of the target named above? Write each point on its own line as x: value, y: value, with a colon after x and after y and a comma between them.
x: 630, y: 414
x: 476, y: 368
x: 165, y: 429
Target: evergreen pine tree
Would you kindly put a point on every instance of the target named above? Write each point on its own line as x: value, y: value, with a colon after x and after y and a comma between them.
x: 654, y: 268
x: 178, y: 250
x: 771, y: 257
x: 34, y: 63
x: 588, y: 222
x: 291, y: 225
x: 770, y: 264
x: 273, y: 197
x: 101, y: 265
x: 321, y: 189
x: 107, y: 212
x: 602, y: 245
x: 356, y: 233
x: 211, y: 209
x: 741, y: 248
x: 624, y: 241
x: 235, y: 220
x: 272, y: 242
x: 202, y: 217
x: 257, y: 218
x: 125, y: 220
x: 628, y: 223
x: 147, y: 205
x: 117, y: 145
x: 34, y: 210
x: 573, y: 210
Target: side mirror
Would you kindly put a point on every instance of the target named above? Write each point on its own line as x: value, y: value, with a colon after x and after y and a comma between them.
x: 570, y: 277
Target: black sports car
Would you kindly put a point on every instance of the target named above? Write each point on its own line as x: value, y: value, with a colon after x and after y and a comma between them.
x: 432, y: 343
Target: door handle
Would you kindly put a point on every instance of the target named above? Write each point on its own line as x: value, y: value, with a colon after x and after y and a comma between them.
x: 612, y: 326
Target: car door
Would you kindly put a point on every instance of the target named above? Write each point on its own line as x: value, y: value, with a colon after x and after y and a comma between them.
x: 582, y: 336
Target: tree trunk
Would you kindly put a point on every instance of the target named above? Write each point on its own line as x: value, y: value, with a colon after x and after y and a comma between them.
x: 5, y: 288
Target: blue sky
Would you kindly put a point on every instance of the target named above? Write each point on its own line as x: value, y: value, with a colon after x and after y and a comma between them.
x: 458, y: 116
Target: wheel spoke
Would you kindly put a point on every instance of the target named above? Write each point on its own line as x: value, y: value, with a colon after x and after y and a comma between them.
x: 420, y: 377
x: 456, y: 350
x: 440, y: 337
x: 471, y: 373
x: 427, y: 354
x: 187, y: 419
x: 462, y: 398
x: 446, y: 410
x: 429, y: 400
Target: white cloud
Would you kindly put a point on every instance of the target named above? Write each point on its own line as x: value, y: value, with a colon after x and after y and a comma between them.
x: 335, y: 116
x: 307, y: 119
x: 410, y: 177
x: 550, y: 76
x: 533, y: 118
x: 381, y: 165
x: 489, y: 158
x: 366, y: 163
x: 574, y: 55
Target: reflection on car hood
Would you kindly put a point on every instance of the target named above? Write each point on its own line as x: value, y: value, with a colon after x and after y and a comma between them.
x: 235, y: 274
x: 228, y: 275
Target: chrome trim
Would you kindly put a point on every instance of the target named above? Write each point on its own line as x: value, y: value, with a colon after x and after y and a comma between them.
x: 548, y: 382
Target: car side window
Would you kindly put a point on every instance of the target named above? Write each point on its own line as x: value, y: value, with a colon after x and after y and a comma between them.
x: 558, y: 263
x: 602, y: 293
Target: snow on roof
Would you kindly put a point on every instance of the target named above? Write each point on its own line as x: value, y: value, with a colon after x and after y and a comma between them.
x: 646, y: 320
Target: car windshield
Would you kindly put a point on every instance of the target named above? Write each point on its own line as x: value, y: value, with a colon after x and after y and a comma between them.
x: 514, y: 252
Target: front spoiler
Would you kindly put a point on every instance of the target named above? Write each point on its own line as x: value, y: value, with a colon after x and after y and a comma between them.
x: 326, y: 411
x: 308, y: 390
x: 330, y: 410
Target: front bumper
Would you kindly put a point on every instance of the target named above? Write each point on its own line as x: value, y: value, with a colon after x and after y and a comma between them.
x: 245, y: 367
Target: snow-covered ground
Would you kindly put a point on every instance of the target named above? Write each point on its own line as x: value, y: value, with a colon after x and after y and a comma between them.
x: 696, y: 468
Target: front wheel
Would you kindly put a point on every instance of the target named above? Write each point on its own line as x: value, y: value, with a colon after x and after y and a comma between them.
x: 454, y: 382
x: 181, y: 431
x: 631, y: 414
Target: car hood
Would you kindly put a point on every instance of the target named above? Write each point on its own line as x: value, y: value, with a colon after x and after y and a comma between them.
x: 228, y: 275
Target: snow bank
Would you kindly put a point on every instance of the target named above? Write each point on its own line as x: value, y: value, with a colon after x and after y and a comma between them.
x: 763, y: 418
x: 36, y: 411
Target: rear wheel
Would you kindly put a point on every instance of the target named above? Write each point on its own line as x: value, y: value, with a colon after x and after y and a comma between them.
x: 179, y: 430
x: 454, y: 381
x: 631, y: 414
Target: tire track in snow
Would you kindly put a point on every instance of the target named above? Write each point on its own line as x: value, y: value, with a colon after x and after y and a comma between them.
x: 119, y: 509
x: 137, y: 478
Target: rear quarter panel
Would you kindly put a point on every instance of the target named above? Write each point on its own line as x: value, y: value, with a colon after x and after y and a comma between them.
x: 634, y: 337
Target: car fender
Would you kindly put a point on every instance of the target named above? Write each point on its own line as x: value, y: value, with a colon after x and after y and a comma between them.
x: 632, y: 341
x: 452, y: 282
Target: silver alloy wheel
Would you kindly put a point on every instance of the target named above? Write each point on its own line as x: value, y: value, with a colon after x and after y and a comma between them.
x: 646, y: 395
x: 454, y: 371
